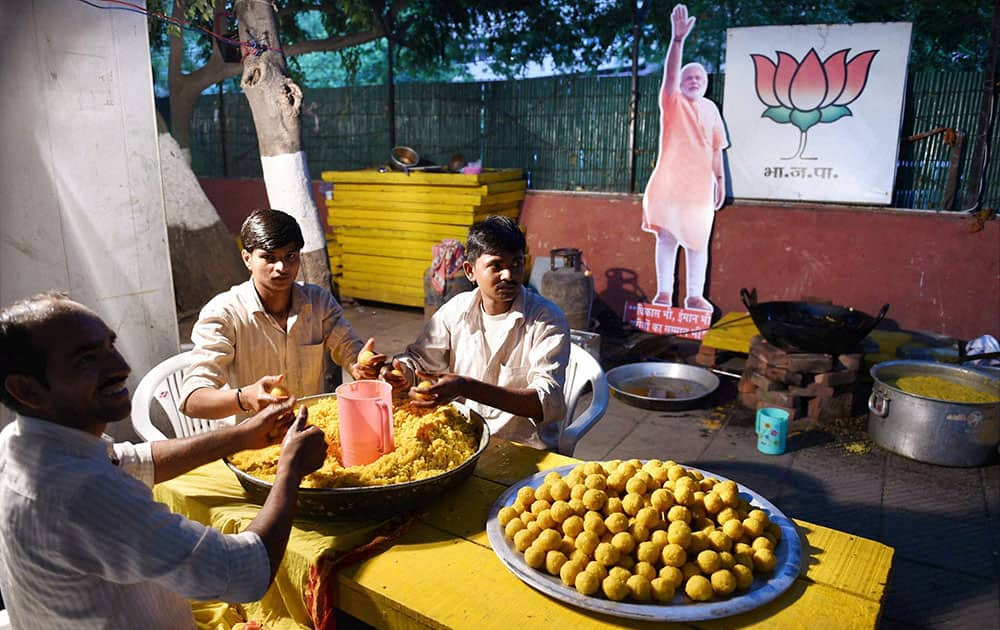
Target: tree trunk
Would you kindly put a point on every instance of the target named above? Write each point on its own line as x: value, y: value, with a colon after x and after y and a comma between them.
x: 275, y: 102
x: 186, y: 88
x: 204, y: 258
x: 976, y: 176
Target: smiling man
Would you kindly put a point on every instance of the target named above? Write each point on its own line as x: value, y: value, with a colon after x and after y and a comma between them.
x: 83, y: 544
x: 269, y: 330
x: 500, y: 347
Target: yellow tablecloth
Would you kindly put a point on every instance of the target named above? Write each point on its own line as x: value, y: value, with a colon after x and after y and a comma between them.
x: 212, y: 495
x: 443, y: 573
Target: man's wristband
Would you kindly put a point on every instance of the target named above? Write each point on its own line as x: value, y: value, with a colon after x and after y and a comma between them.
x: 239, y: 402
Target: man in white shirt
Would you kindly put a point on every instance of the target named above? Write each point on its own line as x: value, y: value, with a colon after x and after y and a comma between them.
x: 499, y: 346
x: 269, y: 330
x: 83, y: 544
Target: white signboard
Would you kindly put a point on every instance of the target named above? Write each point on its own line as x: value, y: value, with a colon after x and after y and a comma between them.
x: 814, y: 112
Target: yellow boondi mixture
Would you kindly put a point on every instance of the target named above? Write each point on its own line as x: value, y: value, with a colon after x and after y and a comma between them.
x: 428, y: 443
x: 943, y: 389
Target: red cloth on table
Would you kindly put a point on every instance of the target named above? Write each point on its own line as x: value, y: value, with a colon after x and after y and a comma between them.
x: 321, y: 592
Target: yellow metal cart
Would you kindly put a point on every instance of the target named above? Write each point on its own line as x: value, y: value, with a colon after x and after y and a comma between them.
x: 385, y: 224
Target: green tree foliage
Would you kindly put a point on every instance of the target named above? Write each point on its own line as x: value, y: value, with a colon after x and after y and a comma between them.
x: 947, y: 34
x: 428, y: 37
x: 584, y: 34
x: 435, y: 40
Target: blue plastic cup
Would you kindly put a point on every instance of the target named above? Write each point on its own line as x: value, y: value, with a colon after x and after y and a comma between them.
x: 772, y: 430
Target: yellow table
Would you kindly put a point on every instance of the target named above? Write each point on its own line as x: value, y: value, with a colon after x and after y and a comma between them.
x: 443, y: 573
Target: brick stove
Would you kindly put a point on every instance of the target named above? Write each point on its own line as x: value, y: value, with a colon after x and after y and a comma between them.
x: 820, y: 387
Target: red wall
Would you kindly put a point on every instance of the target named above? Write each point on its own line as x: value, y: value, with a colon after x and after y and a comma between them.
x: 934, y: 272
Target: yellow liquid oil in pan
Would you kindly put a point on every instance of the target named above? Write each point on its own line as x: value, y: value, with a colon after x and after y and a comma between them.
x: 663, y: 388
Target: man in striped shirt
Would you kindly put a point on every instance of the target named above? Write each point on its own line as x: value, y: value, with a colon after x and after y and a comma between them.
x: 83, y: 544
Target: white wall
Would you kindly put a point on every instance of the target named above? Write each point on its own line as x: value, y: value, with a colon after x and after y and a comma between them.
x: 81, y: 203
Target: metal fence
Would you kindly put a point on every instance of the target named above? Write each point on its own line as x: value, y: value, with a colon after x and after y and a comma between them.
x: 568, y: 133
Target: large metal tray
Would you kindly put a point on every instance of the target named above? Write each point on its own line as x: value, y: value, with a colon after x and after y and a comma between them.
x: 672, y: 386
x: 788, y: 552
x: 371, y: 501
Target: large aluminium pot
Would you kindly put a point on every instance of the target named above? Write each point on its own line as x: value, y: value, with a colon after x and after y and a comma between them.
x: 372, y: 501
x: 931, y: 430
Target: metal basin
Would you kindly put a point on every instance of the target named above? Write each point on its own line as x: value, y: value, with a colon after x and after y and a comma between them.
x: 662, y: 386
x: 372, y: 501
x: 930, y: 430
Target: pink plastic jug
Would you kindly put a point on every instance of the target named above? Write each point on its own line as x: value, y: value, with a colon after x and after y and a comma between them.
x: 365, y: 409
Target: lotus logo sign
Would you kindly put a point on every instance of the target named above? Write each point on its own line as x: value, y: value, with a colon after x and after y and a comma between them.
x: 809, y: 92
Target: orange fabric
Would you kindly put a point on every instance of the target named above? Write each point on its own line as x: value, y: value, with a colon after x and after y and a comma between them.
x: 321, y: 592
x: 680, y: 194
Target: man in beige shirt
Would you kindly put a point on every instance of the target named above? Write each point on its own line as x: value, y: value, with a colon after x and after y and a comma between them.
x: 500, y: 347
x: 268, y: 331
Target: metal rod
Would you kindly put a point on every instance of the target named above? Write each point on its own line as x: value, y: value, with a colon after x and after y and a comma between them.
x: 954, y: 159
x: 638, y: 16
x: 725, y: 373
x: 222, y: 131
x: 391, y: 80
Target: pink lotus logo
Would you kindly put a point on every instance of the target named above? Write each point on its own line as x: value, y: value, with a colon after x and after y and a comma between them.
x: 808, y: 92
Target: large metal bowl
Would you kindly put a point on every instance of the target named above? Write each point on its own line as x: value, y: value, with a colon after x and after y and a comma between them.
x: 808, y: 326
x: 372, y: 501
x: 662, y: 386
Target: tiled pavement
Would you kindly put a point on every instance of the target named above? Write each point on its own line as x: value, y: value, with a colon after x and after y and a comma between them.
x: 944, y: 523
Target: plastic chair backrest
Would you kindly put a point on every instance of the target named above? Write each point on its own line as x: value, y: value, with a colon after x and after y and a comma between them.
x: 163, y: 384
x: 582, y: 369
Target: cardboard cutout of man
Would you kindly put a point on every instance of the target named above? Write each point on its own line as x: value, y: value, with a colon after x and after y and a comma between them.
x: 688, y: 183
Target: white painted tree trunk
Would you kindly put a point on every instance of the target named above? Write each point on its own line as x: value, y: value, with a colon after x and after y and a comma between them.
x: 276, y: 103
x: 289, y: 188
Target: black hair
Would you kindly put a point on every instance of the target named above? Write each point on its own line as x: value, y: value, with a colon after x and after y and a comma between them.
x: 19, y: 354
x: 269, y: 230
x: 494, y: 235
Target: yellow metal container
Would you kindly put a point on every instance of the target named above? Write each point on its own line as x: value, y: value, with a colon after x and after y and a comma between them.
x: 386, y: 223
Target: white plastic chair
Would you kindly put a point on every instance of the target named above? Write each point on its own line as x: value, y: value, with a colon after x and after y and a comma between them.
x: 581, y: 370
x: 163, y: 384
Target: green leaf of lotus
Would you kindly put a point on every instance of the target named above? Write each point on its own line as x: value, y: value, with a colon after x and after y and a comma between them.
x: 777, y: 114
x: 834, y: 113
x: 804, y: 120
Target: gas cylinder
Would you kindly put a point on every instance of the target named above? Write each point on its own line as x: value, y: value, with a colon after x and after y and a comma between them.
x: 571, y: 288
